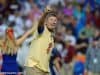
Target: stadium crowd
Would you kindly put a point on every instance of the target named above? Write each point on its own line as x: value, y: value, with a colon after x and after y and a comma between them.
x: 77, y: 34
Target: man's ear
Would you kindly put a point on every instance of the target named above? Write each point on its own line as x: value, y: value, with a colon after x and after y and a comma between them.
x: 45, y: 22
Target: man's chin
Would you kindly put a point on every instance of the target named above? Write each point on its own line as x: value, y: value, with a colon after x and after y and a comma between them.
x: 51, y: 30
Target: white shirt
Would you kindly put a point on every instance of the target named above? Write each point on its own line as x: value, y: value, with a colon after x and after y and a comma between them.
x: 70, y: 38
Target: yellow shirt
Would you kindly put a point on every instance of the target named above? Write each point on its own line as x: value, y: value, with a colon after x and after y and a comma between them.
x: 40, y: 50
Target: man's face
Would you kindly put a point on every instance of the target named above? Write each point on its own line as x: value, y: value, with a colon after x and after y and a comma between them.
x: 51, y: 22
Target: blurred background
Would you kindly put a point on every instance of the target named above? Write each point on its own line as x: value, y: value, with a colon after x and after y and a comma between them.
x: 78, y: 25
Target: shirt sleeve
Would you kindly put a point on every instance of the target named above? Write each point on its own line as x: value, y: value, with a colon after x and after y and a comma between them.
x: 40, y: 29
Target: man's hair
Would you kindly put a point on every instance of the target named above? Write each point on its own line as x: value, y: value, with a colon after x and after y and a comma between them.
x: 46, y: 15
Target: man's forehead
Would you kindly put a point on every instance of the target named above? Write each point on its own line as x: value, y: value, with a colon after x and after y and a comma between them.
x: 53, y: 17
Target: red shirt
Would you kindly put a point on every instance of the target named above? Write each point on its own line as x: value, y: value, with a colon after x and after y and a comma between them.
x: 69, y: 56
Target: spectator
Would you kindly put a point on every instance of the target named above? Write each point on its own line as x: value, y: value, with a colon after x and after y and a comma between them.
x: 55, y: 62
x: 68, y: 56
x: 97, y: 3
x: 92, y: 65
x: 88, y: 30
x: 91, y: 2
x: 8, y: 48
x: 81, y: 47
x: 69, y: 37
x: 68, y: 10
x: 67, y: 21
x: 23, y: 52
x: 89, y: 15
x: 81, y: 19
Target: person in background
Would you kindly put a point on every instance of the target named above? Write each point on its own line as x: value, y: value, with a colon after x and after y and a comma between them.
x: 8, y: 47
x: 92, y: 65
x: 91, y: 3
x: 81, y: 47
x: 55, y: 62
x: 88, y: 30
x: 69, y: 58
x: 89, y: 15
x: 80, y: 17
x: 97, y: 4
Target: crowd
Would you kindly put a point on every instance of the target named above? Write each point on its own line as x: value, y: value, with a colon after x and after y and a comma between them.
x: 77, y: 36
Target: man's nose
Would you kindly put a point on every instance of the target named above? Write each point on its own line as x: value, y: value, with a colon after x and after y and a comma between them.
x: 54, y: 22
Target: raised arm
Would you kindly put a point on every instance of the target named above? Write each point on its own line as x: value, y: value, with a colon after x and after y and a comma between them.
x: 37, y: 25
x: 29, y: 32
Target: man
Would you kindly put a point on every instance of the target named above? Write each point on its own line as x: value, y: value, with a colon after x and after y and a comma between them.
x: 92, y: 65
x: 37, y: 62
